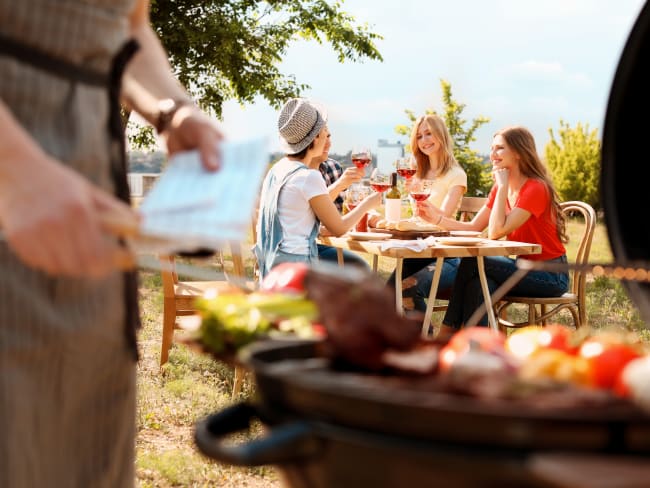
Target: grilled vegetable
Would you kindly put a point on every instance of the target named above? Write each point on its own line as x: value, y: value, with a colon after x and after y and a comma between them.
x: 231, y: 321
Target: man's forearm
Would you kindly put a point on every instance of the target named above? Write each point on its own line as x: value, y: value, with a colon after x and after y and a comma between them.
x: 148, y: 78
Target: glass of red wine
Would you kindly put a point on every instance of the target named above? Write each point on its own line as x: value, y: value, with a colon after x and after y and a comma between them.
x: 361, y: 157
x: 419, y: 190
x: 354, y: 195
x: 406, y: 167
x: 379, y: 181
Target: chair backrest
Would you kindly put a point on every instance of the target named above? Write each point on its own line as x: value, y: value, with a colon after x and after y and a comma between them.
x: 469, y: 207
x: 586, y: 211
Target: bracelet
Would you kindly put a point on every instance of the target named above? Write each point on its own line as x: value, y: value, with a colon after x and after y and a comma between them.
x: 439, y: 220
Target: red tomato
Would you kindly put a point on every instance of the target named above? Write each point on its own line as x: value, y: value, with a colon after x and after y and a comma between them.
x: 286, y: 277
x: 558, y: 336
x: 606, y: 360
x: 459, y: 344
x: 319, y: 330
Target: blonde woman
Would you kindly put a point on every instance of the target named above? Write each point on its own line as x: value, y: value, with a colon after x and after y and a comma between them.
x: 432, y: 148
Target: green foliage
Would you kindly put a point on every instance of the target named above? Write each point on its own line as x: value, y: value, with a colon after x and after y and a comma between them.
x: 142, y: 138
x: 230, y: 49
x: 574, y: 162
x: 478, y: 173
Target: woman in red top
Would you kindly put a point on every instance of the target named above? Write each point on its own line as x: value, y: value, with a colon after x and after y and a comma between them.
x: 522, y: 206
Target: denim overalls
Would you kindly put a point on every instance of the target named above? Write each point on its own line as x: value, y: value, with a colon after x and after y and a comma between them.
x: 269, y: 231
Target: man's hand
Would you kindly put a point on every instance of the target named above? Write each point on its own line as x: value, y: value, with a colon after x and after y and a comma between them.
x: 189, y: 129
x: 351, y: 176
x: 52, y: 220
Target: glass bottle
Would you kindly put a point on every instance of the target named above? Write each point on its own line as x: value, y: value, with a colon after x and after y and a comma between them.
x: 393, y: 200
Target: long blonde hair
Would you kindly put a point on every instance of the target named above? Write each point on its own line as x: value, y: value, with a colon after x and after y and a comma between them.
x: 520, y: 140
x: 439, y: 129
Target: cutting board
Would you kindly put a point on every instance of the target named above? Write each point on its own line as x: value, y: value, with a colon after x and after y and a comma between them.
x: 410, y: 234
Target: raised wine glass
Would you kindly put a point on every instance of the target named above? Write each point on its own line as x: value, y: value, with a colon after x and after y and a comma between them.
x: 419, y: 190
x: 406, y: 167
x: 379, y: 181
x: 361, y: 157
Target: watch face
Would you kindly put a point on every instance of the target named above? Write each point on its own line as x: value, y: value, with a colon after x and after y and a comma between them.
x: 166, y: 105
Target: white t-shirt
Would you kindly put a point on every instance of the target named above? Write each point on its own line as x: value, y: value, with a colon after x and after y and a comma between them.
x: 296, y: 216
x: 456, y: 176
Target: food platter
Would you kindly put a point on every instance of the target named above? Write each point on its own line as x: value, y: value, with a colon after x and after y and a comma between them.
x: 368, y: 236
x: 460, y: 241
x: 411, y: 234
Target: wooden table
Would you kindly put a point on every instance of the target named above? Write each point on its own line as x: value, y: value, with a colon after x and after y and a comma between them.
x: 439, y: 252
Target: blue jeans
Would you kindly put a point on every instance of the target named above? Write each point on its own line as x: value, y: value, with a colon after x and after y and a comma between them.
x: 467, y: 296
x: 328, y: 253
x: 417, y: 274
x: 285, y: 257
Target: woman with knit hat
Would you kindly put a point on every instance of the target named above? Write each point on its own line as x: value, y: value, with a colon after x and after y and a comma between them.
x: 294, y: 200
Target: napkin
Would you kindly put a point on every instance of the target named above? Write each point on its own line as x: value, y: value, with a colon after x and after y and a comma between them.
x: 190, y: 208
x: 418, y: 245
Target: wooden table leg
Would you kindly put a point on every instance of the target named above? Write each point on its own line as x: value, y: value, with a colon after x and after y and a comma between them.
x: 398, y: 285
x: 432, y: 296
x: 339, y: 256
x: 486, y: 294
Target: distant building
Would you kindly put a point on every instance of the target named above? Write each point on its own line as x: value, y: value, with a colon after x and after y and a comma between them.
x: 141, y: 183
x: 387, y: 153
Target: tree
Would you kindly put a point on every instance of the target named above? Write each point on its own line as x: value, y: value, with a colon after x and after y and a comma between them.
x: 230, y: 49
x: 574, y: 162
x: 478, y: 174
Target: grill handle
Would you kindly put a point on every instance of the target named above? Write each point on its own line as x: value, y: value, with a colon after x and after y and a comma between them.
x: 287, y: 443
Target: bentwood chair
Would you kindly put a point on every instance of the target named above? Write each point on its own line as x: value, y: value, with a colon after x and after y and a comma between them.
x: 574, y: 300
x: 179, y: 297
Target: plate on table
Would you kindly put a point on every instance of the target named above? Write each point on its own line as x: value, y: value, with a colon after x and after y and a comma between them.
x: 368, y: 236
x: 465, y: 233
x: 459, y: 241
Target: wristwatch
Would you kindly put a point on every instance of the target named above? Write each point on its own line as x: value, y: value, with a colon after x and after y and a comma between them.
x: 167, y: 107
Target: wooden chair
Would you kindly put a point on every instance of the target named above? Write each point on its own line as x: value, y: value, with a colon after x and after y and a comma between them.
x: 574, y: 300
x: 178, y: 302
x: 469, y: 207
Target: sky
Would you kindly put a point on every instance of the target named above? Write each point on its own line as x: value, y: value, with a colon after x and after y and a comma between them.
x: 525, y: 62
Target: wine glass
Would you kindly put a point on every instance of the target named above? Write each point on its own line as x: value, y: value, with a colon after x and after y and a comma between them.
x: 406, y: 167
x: 353, y: 197
x: 419, y: 190
x: 361, y: 157
x: 379, y: 181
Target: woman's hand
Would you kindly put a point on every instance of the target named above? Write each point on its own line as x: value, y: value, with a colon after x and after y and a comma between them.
x: 374, y: 199
x: 189, y: 129
x: 501, y: 176
x: 428, y: 212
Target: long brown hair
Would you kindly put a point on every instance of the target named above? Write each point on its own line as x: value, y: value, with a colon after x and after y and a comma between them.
x: 520, y: 140
x: 439, y: 129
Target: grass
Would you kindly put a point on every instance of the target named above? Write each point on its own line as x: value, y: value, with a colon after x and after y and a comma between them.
x: 192, y: 385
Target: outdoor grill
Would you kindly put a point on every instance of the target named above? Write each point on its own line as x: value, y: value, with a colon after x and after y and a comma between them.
x: 329, y: 427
